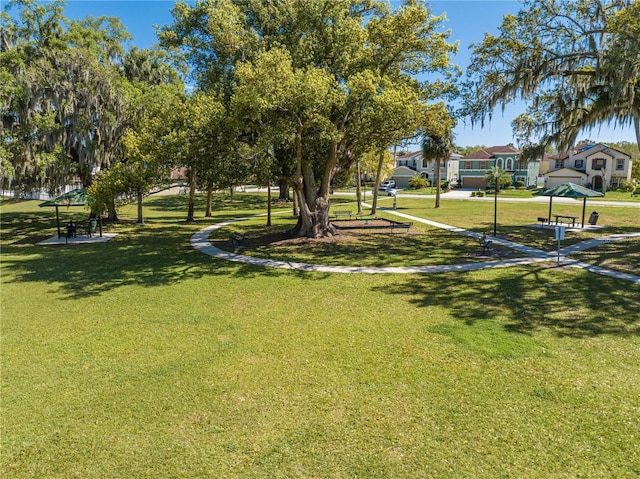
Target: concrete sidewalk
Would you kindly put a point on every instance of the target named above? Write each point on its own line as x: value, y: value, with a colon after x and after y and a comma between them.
x: 200, y: 241
x: 80, y: 239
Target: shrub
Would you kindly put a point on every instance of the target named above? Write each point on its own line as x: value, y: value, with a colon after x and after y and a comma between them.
x: 418, y: 182
x: 627, y: 186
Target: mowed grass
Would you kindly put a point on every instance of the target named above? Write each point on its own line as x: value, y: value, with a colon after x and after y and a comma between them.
x: 142, y: 357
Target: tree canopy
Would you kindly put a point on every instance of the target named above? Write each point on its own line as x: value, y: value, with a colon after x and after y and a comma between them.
x: 317, y: 84
x: 575, y: 62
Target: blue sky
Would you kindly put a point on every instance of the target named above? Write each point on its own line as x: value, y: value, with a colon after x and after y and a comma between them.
x: 468, y: 20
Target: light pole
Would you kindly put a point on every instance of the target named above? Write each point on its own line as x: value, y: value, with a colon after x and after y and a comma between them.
x: 495, y: 203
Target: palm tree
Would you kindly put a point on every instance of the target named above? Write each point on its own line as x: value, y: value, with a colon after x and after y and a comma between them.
x: 439, y: 148
x: 503, y: 176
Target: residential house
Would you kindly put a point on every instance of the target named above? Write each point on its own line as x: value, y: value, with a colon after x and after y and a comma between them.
x: 474, y: 166
x: 590, y: 165
x: 412, y: 164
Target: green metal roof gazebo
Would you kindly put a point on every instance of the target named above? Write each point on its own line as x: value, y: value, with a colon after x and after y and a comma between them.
x: 569, y: 190
x: 76, y: 197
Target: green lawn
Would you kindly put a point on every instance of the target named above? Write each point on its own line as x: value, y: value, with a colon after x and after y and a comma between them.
x: 141, y: 357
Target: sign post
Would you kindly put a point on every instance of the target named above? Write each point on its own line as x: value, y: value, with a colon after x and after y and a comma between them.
x: 559, y: 236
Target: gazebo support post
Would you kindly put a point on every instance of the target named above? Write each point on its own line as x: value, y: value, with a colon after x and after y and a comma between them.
x: 58, y: 221
x: 550, y: 203
x: 584, y: 207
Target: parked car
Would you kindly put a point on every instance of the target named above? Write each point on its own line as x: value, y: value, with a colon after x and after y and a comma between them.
x: 387, y: 184
x: 392, y: 192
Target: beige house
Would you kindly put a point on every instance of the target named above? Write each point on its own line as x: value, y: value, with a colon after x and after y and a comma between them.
x: 412, y: 164
x: 592, y: 165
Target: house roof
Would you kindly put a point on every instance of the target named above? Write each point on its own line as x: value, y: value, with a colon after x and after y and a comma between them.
x: 403, y: 171
x: 490, y: 152
x: 410, y: 156
x: 582, y: 148
x: 564, y: 171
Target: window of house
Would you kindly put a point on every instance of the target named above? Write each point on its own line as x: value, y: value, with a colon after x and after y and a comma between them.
x: 598, y: 163
x: 467, y: 165
x: 579, y: 163
x: 425, y: 163
x: 499, y: 162
x: 559, y: 164
x: 509, y: 164
x: 620, y: 164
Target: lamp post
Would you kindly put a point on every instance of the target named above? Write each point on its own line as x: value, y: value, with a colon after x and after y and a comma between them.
x: 495, y: 203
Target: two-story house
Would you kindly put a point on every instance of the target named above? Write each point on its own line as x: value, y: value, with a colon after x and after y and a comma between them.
x: 590, y: 165
x: 412, y: 164
x: 474, y: 166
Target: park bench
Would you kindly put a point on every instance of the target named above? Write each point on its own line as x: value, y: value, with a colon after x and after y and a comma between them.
x: 342, y: 213
x: 405, y: 226
x: 236, y: 238
x: 543, y: 220
x: 366, y: 218
x: 485, y: 243
x: 566, y: 219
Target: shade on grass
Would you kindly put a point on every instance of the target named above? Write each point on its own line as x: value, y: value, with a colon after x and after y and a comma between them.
x: 77, y: 197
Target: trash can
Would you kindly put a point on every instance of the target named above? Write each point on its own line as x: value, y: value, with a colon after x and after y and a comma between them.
x: 593, y: 219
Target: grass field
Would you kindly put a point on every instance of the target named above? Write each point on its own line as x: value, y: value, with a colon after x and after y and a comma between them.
x: 141, y: 357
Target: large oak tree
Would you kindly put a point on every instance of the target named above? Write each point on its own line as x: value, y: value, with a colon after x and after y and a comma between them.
x: 325, y: 80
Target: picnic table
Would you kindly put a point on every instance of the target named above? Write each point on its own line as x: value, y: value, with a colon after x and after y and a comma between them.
x: 566, y: 219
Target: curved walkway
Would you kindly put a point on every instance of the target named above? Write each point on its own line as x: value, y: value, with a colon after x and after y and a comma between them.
x: 200, y: 241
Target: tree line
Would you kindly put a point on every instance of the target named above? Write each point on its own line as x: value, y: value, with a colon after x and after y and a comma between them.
x: 299, y: 93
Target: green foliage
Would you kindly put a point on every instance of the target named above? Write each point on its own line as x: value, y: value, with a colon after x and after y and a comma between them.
x: 504, y: 178
x: 418, y: 182
x: 318, y: 84
x: 71, y: 92
x: 574, y: 63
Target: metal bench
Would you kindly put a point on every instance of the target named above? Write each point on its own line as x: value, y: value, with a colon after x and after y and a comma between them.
x: 236, y: 238
x: 342, y: 214
x: 485, y: 243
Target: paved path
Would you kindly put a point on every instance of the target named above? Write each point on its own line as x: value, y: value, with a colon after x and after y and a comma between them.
x: 200, y: 241
x: 465, y: 194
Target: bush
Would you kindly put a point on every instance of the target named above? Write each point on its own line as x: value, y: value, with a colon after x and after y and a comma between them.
x: 520, y: 184
x: 479, y: 194
x: 627, y: 186
x: 418, y: 182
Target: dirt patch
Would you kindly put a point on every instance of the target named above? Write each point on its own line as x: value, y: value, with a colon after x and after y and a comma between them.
x: 285, y: 239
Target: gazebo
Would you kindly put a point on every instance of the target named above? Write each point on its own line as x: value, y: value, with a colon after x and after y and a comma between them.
x: 569, y: 190
x: 70, y: 198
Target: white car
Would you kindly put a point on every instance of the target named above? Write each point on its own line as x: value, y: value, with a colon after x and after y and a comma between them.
x: 387, y: 184
x: 392, y: 192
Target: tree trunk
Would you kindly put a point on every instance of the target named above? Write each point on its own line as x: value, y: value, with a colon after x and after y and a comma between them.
x: 192, y: 195
x: 314, y: 221
x: 207, y: 213
x: 296, y: 209
x: 374, y: 204
x: 269, y: 205
x: 437, y: 179
x: 358, y: 188
x: 314, y: 202
x: 140, y: 218
x: 284, y: 190
x: 112, y: 214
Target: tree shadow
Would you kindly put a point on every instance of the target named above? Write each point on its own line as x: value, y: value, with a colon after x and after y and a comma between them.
x: 568, y: 302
